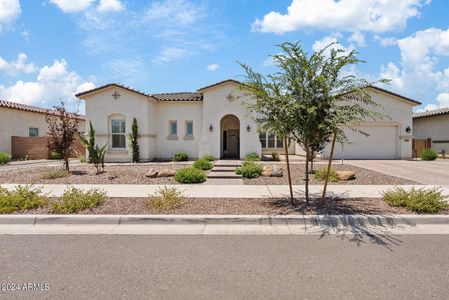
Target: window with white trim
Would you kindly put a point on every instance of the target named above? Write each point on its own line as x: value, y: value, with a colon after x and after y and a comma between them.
x: 189, y: 129
x: 118, y: 134
x: 269, y: 140
x: 173, y: 128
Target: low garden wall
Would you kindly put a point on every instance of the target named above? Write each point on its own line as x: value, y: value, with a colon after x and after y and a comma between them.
x: 36, y: 147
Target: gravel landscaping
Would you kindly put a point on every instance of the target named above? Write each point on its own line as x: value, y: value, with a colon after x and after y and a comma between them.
x: 228, y: 206
x: 363, y: 176
x: 85, y: 174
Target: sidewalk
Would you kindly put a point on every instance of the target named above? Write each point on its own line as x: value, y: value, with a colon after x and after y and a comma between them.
x: 230, y: 191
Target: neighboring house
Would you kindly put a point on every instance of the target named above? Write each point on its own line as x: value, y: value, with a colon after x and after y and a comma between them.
x: 22, y: 128
x: 208, y: 122
x: 433, y: 127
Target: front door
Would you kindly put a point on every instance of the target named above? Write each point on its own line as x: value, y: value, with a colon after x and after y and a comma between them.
x: 231, y: 144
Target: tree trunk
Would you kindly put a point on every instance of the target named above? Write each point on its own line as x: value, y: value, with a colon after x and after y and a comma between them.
x: 288, y: 171
x: 331, y: 156
x: 307, y: 177
x: 66, y: 162
x: 311, y: 165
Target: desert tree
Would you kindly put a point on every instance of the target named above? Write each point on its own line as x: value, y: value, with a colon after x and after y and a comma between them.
x: 311, y: 97
x: 63, y: 130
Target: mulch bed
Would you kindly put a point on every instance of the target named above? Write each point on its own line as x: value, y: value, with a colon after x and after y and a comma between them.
x: 363, y: 176
x: 227, y: 206
x: 86, y: 174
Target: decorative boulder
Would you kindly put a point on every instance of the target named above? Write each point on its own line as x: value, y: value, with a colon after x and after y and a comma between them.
x: 277, y: 171
x: 166, y: 173
x: 345, y: 175
x: 267, y: 171
x: 152, y: 173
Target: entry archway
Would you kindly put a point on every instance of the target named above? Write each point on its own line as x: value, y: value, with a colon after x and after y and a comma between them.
x: 230, y: 137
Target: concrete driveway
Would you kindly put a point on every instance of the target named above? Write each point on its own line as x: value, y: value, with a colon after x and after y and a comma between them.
x: 425, y: 172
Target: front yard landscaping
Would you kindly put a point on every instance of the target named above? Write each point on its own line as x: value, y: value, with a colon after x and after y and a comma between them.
x: 86, y: 174
x: 362, y: 176
x: 228, y: 206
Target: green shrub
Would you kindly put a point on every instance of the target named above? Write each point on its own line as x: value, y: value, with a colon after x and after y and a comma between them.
x: 275, y: 156
x: 54, y: 174
x: 208, y: 157
x: 253, y: 156
x: 4, y: 158
x: 249, y: 169
x: 181, y: 156
x: 20, y: 199
x: 321, y: 175
x: 422, y: 200
x: 429, y: 154
x: 74, y: 200
x: 190, y: 175
x: 202, y: 164
x: 55, y: 155
x: 82, y: 158
x: 165, y: 198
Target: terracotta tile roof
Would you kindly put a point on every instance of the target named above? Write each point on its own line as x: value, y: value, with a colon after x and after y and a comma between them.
x: 35, y: 109
x: 431, y: 113
x: 80, y: 95
x: 181, y: 96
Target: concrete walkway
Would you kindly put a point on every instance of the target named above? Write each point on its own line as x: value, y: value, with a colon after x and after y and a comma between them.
x: 229, y: 191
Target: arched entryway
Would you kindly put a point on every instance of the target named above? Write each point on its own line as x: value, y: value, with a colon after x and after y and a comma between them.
x: 230, y: 137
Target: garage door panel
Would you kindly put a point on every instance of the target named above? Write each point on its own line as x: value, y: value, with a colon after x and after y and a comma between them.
x: 380, y: 144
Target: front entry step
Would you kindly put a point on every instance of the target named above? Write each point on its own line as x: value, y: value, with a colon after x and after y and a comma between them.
x: 224, y: 175
x: 225, y: 169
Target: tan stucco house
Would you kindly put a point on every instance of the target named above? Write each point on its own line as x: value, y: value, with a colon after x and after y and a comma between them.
x: 20, y: 121
x: 433, y: 125
x: 207, y: 122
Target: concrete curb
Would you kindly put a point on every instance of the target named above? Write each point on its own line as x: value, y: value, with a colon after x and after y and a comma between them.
x: 316, y: 220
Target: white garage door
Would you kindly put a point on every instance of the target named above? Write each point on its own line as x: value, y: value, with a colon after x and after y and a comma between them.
x: 382, y: 143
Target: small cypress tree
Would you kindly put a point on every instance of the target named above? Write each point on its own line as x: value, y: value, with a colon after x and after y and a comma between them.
x: 133, y: 137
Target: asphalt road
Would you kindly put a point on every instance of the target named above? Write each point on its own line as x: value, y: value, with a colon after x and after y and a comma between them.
x: 227, y: 267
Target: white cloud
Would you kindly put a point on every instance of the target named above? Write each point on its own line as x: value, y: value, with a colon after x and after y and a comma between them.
x: 53, y: 83
x: 327, y: 40
x: 110, y: 5
x: 20, y: 65
x: 9, y: 12
x: 72, y: 6
x: 343, y: 15
x: 171, y: 54
x: 213, y: 67
x: 419, y: 72
x: 443, y: 100
x: 358, y: 39
x: 387, y: 41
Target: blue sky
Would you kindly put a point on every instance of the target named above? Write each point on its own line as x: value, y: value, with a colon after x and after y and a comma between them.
x: 51, y: 49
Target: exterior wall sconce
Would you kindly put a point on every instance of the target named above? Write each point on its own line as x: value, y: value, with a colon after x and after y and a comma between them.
x: 248, y: 128
x: 211, y: 128
x: 408, y: 129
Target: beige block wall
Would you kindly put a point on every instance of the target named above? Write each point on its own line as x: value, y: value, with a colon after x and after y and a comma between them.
x: 14, y: 122
x: 435, y: 128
